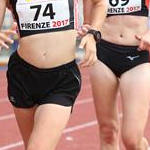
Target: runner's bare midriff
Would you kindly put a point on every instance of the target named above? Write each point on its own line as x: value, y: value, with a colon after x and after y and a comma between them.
x: 48, y: 50
x: 122, y: 29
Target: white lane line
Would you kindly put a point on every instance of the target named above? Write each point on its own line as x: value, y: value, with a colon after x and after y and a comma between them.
x: 10, y: 146
x: 67, y: 130
x: 80, y: 102
x: 84, y: 101
x: 82, y: 126
x: 6, y: 117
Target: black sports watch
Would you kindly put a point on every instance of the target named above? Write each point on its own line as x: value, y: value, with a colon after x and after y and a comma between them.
x: 96, y: 34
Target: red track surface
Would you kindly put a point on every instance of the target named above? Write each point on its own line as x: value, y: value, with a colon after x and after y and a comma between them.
x: 80, y: 134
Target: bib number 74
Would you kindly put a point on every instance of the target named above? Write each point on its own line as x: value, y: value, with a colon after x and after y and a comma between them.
x: 48, y: 11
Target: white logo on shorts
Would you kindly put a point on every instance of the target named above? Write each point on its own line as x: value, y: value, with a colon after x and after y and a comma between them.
x: 12, y: 99
x: 132, y: 57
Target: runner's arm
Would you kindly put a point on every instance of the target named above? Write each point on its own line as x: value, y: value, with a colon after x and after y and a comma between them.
x: 4, y: 35
x: 94, y: 14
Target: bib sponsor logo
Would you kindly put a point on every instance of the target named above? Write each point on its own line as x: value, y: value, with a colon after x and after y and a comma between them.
x: 124, y: 6
x: 43, y: 14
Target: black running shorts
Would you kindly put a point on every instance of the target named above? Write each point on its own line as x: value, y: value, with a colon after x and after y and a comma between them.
x: 29, y: 86
x: 120, y: 58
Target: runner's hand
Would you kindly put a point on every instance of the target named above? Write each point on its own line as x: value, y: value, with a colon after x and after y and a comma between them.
x: 144, y: 41
x: 89, y: 45
x: 83, y: 30
x: 5, y: 36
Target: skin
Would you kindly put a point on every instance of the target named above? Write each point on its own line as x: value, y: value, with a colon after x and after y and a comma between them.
x: 43, y: 51
x: 4, y: 35
x: 134, y: 85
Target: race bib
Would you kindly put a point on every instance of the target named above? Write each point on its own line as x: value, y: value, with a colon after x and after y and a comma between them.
x: 43, y: 14
x: 124, y: 6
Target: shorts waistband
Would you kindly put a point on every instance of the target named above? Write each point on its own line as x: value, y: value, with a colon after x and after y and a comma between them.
x: 117, y: 47
x: 28, y: 65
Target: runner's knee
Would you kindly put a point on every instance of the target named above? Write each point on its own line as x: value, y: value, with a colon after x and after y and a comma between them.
x: 131, y: 141
x: 109, y: 131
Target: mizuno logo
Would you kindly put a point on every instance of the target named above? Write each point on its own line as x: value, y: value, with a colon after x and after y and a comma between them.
x: 132, y: 57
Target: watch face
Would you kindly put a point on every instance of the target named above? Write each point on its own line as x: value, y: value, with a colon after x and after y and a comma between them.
x: 97, y: 36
